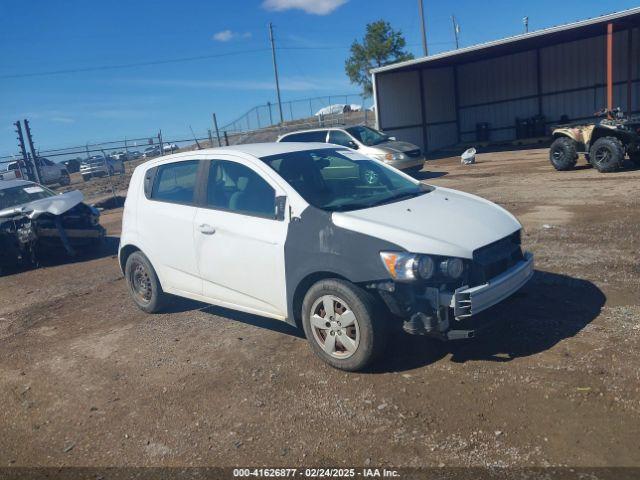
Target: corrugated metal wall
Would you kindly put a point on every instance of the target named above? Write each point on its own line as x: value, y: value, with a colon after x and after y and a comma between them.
x: 499, y: 90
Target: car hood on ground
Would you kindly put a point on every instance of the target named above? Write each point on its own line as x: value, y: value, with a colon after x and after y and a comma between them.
x: 442, y: 222
x: 396, y: 146
x: 56, y: 205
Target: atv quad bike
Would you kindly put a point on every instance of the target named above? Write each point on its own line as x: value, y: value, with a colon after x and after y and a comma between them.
x: 604, y: 142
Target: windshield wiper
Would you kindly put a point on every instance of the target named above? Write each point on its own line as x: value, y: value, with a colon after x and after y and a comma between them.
x: 347, y: 206
x: 395, y: 198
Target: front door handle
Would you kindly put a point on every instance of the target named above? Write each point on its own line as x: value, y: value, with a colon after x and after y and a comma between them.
x: 206, y: 229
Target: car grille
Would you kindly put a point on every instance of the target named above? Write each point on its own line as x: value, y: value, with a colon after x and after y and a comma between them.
x: 493, y: 259
x: 413, y: 153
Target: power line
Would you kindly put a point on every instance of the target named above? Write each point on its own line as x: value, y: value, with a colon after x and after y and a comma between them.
x: 130, y: 65
x: 172, y: 60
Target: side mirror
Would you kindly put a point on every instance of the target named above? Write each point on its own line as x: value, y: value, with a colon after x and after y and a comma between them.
x: 352, y: 144
x: 281, y: 207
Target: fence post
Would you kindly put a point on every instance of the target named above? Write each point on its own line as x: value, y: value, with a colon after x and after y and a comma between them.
x: 258, y: 116
x: 270, y: 114
x: 160, y: 141
x: 226, y: 139
x: 210, y: 138
x: 365, y: 110
x: 215, y: 125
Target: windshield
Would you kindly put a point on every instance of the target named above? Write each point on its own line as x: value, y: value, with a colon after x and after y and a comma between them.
x: 14, y: 196
x: 342, y: 180
x: 368, y: 136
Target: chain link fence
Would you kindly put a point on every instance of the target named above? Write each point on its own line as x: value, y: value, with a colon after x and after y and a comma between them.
x: 268, y: 115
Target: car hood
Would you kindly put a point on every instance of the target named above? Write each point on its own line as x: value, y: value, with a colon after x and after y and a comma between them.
x: 56, y: 205
x: 442, y: 222
x: 396, y: 146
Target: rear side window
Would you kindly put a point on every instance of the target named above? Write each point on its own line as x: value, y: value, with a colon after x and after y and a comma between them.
x: 316, y: 136
x: 176, y: 182
x: 237, y: 188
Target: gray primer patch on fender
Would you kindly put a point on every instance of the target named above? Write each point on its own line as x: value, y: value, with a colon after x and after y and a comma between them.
x: 314, y: 244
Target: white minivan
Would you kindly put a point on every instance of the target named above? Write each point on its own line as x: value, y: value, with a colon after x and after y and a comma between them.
x: 319, y: 236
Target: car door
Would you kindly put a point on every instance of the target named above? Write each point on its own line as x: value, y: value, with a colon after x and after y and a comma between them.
x: 166, y: 220
x: 238, y: 241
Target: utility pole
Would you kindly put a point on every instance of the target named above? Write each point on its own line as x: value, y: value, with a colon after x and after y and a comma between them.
x: 456, y: 31
x: 275, y: 70
x: 34, y: 157
x: 23, y: 150
x: 525, y: 20
x: 422, y: 29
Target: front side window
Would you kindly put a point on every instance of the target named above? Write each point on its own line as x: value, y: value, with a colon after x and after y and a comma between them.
x: 340, y: 138
x: 237, y: 188
x: 339, y: 180
x: 176, y: 182
x: 368, y: 136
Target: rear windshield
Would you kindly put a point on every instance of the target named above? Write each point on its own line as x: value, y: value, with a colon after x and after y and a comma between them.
x: 14, y: 196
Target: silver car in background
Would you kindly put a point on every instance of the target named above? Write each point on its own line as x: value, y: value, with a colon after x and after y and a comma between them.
x: 368, y: 141
x: 100, y: 166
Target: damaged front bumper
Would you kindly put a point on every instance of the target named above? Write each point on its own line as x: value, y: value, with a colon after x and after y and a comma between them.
x: 51, y: 223
x: 449, y: 315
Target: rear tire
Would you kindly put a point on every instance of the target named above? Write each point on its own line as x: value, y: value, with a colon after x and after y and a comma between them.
x: 343, y: 324
x: 563, y: 154
x: 607, y: 154
x: 86, y: 178
x: 143, y: 283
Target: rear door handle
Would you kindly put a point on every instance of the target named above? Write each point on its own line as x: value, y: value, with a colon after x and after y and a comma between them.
x: 206, y: 229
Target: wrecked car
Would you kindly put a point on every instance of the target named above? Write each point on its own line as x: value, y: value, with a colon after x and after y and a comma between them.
x: 34, y: 219
x: 322, y: 237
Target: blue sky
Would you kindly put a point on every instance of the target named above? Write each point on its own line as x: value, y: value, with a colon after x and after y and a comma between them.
x: 314, y: 37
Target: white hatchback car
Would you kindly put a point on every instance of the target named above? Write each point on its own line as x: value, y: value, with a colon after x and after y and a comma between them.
x: 320, y: 236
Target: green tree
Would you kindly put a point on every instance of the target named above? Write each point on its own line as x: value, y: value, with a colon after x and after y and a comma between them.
x: 381, y: 46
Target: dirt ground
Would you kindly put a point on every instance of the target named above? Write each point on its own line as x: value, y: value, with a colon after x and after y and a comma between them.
x: 87, y: 379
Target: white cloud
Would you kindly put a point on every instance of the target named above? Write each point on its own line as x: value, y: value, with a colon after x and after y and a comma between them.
x: 62, y: 119
x: 314, y: 7
x: 228, y: 35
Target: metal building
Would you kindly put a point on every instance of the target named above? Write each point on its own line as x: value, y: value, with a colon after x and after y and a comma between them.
x: 486, y: 91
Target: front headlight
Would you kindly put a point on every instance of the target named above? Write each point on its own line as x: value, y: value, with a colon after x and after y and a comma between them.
x: 408, y: 267
x: 389, y: 157
x: 401, y: 266
x: 452, y: 267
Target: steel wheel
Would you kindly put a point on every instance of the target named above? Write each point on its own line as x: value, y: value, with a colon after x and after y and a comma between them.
x: 335, y: 327
x: 602, y: 156
x: 140, y: 281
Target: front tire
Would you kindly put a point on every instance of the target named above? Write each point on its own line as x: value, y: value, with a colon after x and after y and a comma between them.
x: 343, y: 324
x: 607, y: 154
x: 563, y: 154
x: 143, y: 283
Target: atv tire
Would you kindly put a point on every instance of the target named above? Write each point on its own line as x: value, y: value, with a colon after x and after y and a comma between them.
x: 563, y: 154
x: 607, y: 154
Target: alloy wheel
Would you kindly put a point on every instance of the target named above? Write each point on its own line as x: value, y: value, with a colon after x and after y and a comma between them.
x: 335, y: 327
